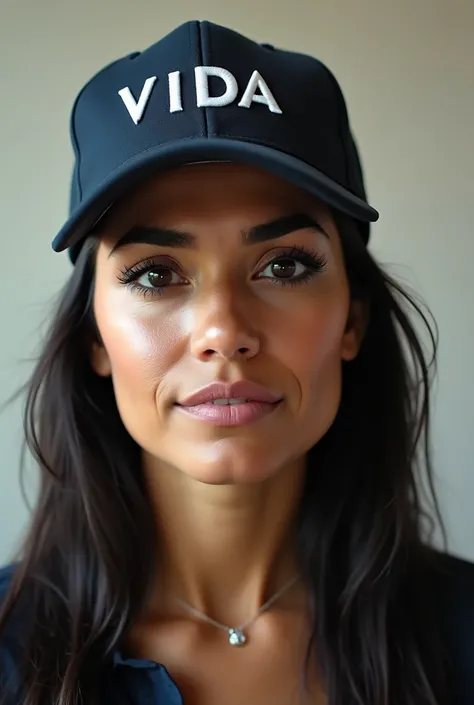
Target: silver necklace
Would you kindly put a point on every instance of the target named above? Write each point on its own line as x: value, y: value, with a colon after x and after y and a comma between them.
x: 236, y: 635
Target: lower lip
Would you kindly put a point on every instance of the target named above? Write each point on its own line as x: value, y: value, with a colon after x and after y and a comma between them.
x: 231, y: 414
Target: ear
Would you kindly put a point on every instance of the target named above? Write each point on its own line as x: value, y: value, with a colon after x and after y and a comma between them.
x: 100, y: 360
x: 356, y: 327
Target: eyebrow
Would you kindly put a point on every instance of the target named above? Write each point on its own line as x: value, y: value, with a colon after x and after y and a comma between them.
x: 164, y: 237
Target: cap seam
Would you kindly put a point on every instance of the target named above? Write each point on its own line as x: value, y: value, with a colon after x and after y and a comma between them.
x: 73, y: 116
x: 201, y: 62
x: 76, y: 146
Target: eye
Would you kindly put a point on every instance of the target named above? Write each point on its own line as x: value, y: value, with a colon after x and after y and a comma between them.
x: 297, y: 265
x: 158, y: 277
x: 150, y: 278
x: 284, y: 268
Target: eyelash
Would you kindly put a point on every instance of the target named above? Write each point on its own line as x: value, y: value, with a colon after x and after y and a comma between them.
x: 314, y: 262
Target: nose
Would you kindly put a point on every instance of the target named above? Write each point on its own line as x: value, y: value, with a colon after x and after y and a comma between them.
x: 222, y: 330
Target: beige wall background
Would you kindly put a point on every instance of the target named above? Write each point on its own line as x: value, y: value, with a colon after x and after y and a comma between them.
x: 407, y: 70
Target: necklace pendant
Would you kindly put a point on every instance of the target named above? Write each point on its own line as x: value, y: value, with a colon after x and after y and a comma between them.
x: 237, y: 637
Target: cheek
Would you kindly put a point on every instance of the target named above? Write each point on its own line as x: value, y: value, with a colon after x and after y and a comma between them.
x: 141, y: 347
x: 311, y: 337
x: 309, y: 346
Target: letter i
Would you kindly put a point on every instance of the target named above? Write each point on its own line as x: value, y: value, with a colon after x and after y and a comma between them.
x: 174, y: 83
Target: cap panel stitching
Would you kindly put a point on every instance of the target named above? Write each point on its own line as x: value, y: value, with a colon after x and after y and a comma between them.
x: 200, y: 29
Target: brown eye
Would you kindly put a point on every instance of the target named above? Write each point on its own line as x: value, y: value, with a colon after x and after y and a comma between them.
x: 159, y: 276
x: 294, y: 267
x: 283, y: 268
x: 150, y: 278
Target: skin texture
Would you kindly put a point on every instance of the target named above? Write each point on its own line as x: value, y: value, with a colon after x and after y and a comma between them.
x: 224, y: 497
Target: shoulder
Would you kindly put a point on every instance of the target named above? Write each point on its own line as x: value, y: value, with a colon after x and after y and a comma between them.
x: 10, y: 638
x: 452, y: 586
x: 455, y: 570
x: 453, y: 583
x: 6, y: 575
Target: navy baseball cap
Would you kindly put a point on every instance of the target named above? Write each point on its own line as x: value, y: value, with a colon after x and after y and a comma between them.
x: 206, y: 93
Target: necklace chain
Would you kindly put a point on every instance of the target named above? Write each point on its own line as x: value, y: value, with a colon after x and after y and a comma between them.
x: 236, y: 634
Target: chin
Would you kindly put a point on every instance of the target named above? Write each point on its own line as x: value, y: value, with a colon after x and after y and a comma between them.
x: 230, y: 461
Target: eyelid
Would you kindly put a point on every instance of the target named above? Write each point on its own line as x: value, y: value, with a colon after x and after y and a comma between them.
x: 153, y: 259
x: 147, y: 263
x: 295, y: 251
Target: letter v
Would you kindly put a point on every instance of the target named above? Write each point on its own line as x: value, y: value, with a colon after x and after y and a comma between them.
x: 137, y: 108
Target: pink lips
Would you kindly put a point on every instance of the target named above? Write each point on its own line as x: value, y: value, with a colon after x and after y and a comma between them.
x: 259, y: 403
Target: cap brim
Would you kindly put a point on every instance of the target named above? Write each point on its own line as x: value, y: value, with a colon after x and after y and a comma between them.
x: 139, y: 168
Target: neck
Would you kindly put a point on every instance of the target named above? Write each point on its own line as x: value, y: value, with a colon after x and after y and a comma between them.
x: 224, y: 549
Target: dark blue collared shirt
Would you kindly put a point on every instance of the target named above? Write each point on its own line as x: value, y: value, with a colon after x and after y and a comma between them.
x: 133, y: 681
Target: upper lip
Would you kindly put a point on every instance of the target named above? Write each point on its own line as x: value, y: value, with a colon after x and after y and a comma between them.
x: 238, y: 390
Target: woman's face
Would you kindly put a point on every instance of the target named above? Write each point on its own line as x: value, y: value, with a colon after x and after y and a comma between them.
x: 222, y: 273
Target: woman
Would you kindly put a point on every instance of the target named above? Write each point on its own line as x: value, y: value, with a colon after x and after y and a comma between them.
x: 230, y: 412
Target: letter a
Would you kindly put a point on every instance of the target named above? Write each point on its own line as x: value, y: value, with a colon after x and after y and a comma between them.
x: 136, y: 109
x: 265, y: 97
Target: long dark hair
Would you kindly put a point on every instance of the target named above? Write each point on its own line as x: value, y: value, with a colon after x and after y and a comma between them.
x: 364, y: 524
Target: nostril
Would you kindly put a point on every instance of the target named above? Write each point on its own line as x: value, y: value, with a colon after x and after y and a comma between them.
x: 211, y: 352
